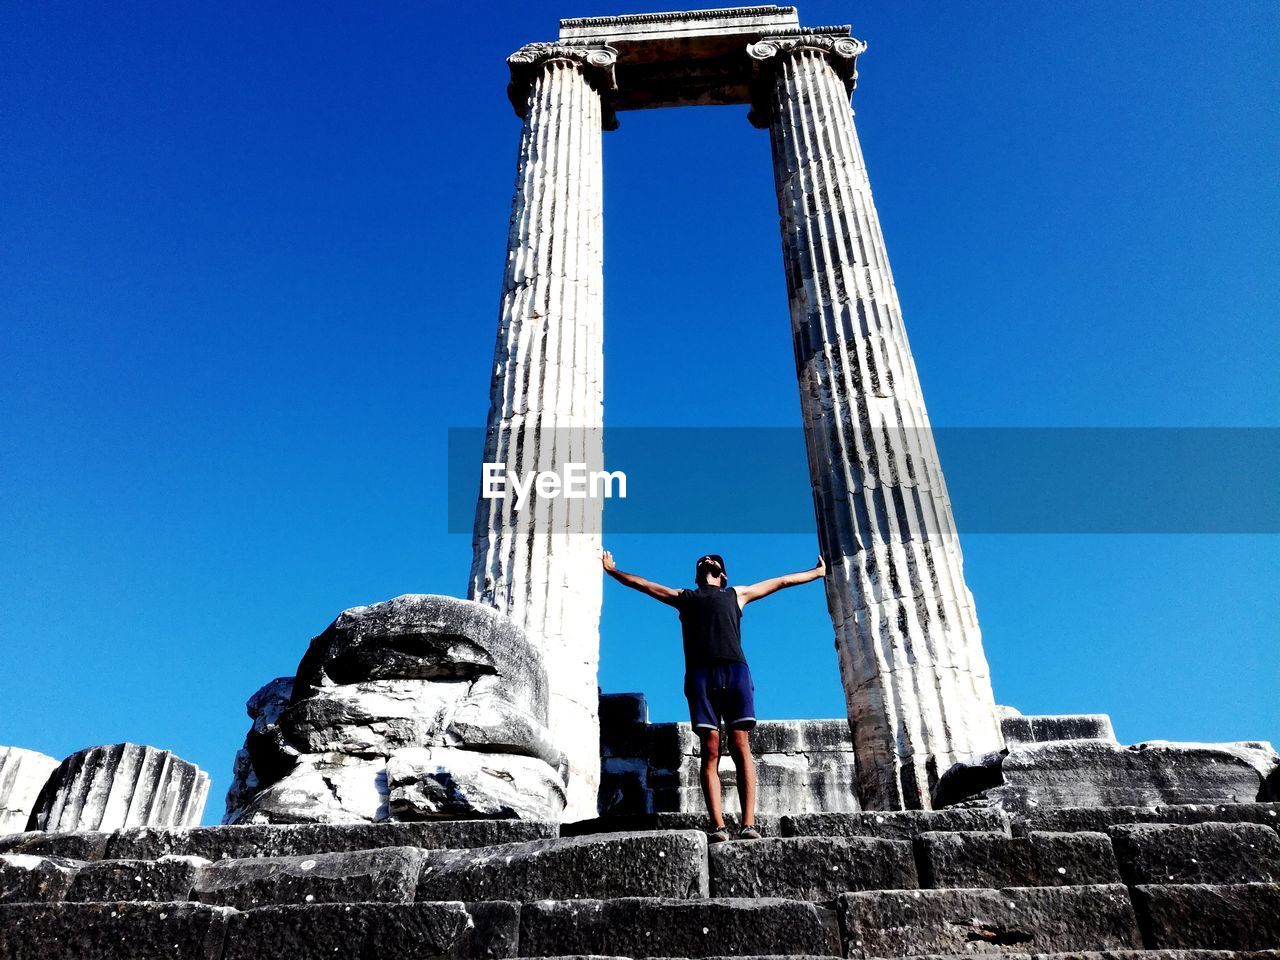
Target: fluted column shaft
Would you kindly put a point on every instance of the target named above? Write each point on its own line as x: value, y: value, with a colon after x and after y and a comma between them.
x: 915, y: 676
x: 540, y: 564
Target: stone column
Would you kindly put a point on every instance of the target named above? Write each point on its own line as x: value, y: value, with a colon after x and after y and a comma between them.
x: 540, y: 565
x: 915, y: 676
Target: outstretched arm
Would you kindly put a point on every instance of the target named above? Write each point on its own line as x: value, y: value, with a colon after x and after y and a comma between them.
x: 766, y: 587
x: 647, y: 587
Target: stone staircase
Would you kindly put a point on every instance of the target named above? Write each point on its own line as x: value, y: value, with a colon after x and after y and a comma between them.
x: 1203, y: 881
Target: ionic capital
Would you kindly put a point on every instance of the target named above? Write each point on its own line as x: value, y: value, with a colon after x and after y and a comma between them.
x: 596, y: 61
x: 768, y: 53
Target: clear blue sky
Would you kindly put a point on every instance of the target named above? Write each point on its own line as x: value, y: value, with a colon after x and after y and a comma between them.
x: 250, y: 258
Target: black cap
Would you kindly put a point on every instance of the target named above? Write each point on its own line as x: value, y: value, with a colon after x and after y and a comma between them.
x: 697, y: 568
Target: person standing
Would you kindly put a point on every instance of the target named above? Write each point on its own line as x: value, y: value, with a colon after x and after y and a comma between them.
x: 717, y: 679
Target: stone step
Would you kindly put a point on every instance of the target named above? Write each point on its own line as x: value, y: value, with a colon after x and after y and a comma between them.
x: 810, y: 868
x: 670, y: 863
x: 636, y: 822
x: 603, y: 866
x: 994, y: 860
x: 384, y: 875
x: 275, y: 840
x: 891, y: 825
x: 1016, y: 923
x: 31, y: 879
x: 1197, y: 853
x: 112, y: 931
x: 388, y: 931
x: 1117, y: 955
x: 643, y: 927
x: 1072, y: 726
x: 1098, y: 819
x: 634, y: 927
x: 1241, y: 916
x: 899, y: 923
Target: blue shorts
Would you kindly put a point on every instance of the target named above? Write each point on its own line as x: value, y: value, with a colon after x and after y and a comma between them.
x: 721, y: 692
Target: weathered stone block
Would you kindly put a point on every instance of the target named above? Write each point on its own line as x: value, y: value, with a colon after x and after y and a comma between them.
x: 112, y: 931
x: 388, y: 931
x: 288, y: 840
x: 604, y: 866
x: 426, y: 637
x: 642, y: 927
x: 387, y: 875
x: 121, y: 785
x: 1242, y: 916
x: 994, y: 860
x: 383, y: 716
x: 1095, y: 773
x: 1197, y: 853
x: 1074, y: 819
x: 1080, y: 726
x: 74, y: 846
x: 802, y: 736
x: 624, y: 726
x: 165, y: 879
x: 631, y: 823
x: 441, y: 783
x: 265, y: 757
x: 810, y: 868
x: 322, y: 788
x: 624, y: 786
x: 895, y: 923
x: 1124, y: 955
x: 801, y: 765
x: 22, y: 775
x: 29, y: 879
x: 892, y: 825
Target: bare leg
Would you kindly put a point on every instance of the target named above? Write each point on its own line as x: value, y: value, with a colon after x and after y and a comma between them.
x: 740, y: 747
x: 711, y: 774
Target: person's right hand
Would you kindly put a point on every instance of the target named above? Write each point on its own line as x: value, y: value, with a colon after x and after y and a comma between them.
x: 606, y: 561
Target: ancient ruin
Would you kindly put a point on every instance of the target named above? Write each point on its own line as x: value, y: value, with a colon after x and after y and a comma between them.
x: 910, y: 651
x: 441, y: 777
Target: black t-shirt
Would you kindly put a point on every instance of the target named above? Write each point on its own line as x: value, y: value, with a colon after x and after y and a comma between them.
x: 710, y: 619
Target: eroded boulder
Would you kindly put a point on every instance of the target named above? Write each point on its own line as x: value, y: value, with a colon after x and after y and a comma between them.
x: 422, y: 707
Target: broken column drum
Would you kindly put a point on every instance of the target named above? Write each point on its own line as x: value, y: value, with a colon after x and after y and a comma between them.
x: 910, y: 651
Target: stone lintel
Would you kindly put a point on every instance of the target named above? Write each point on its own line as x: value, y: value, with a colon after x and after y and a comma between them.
x: 690, y: 58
